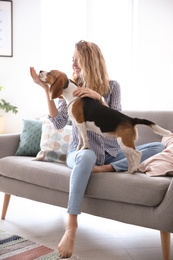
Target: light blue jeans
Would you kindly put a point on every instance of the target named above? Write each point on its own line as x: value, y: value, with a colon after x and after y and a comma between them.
x: 82, y: 163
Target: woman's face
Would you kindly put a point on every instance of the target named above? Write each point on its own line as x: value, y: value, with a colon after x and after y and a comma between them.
x: 75, y: 65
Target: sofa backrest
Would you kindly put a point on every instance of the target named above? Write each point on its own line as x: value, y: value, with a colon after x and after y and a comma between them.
x: 145, y: 134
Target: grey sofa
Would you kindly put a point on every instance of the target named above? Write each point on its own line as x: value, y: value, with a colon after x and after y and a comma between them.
x: 134, y: 199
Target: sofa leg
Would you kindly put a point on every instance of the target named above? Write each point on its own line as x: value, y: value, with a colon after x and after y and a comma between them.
x: 5, y: 205
x: 166, y: 243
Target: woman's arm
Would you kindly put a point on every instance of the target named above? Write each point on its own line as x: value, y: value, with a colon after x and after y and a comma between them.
x: 112, y: 99
x: 86, y: 92
x: 51, y: 104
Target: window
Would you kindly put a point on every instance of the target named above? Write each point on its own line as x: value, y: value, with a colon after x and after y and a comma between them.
x: 135, y: 36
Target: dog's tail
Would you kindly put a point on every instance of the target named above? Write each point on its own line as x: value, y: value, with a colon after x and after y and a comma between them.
x: 156, y: 128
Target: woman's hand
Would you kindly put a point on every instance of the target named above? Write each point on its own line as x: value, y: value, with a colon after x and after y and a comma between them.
x: 87, y: 92
x: 51, y: 104
x: 37, y: 80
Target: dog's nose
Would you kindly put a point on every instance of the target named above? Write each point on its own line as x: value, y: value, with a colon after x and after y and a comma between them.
x: 41, y: 71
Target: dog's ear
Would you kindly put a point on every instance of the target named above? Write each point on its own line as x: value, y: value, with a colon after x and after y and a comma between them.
x: 56, y: 88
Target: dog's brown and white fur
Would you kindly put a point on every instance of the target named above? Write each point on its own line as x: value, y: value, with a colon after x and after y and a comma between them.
x: 87, y: 113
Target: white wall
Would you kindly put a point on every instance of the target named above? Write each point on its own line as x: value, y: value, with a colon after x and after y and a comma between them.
x: 135, y: 35
x: 152, y: 56
x: 41, y: 32
x: 61, y: 28
x: 19, y: 89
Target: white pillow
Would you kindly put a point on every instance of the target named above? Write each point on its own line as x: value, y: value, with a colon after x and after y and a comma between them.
x: 54, y: 143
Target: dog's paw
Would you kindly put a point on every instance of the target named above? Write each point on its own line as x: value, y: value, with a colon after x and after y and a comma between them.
x: 78, y: 147
x: 131, y: 171
x: 84, y: 147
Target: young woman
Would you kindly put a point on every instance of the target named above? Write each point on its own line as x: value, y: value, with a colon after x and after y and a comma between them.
x: 90, y: 73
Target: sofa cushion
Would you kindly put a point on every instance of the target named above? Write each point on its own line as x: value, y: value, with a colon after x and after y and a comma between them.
x: 54, y: 143
x: 41, y: 173
x: 30, y: 136
x: 121, y: 187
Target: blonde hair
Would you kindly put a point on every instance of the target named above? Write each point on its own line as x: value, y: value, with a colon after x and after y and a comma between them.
x: 94, y: 73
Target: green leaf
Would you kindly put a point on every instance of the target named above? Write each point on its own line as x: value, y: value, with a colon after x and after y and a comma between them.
x: 7, y: 107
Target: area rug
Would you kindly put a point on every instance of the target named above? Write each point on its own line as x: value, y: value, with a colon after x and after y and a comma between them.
x: 14, y: 247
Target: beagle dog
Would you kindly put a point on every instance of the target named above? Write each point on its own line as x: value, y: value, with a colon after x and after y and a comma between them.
x: 87, y: 113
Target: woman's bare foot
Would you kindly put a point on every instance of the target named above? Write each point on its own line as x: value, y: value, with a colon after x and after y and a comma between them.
x: 66, y: 245
x: 103, y: 168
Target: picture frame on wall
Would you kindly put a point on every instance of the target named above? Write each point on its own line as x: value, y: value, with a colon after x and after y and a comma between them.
x: 6, y: 28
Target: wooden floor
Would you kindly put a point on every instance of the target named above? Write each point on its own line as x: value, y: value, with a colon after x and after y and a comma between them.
x: 97, y: 238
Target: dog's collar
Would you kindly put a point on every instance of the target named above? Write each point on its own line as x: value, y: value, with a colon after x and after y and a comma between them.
x: 66, y: 84
x: 73, y: 82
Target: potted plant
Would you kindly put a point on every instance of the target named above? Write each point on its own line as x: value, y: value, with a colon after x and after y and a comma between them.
x: 6, y: 107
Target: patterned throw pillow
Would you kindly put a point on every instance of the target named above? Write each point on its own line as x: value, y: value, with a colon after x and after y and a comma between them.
x: 54, y: 143
x: 30, y: 136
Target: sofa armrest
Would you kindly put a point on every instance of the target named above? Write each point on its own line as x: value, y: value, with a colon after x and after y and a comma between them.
x: 165, y: 210
x: 8, y: 144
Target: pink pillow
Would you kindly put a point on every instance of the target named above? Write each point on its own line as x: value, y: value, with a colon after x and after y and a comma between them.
x: 160, y: 164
